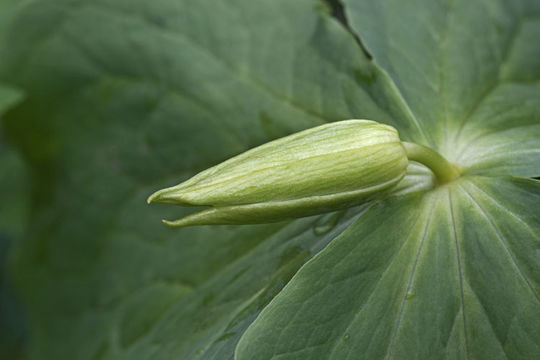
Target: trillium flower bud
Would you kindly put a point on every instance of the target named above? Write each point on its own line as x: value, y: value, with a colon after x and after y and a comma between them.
x: 329, y: 167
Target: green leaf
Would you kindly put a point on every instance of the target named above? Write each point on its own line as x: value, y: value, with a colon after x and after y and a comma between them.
x: 475, y: 95
x: 451, y: 274
x: 104, y: 128
x: 14, y: 193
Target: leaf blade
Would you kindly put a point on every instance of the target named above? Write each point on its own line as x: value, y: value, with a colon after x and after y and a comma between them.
x: 442, y: 298
x: 156, y: 93
x: 453, y: 99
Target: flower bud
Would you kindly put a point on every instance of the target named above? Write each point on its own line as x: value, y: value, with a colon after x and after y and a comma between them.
x: 329, y: 167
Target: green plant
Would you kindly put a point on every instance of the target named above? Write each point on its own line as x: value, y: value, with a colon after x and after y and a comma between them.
x: 122, y: 97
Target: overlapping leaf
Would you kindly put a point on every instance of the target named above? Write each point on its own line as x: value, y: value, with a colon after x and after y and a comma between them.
x: 125, y: 97
x: 451, y: 274
x: 469, y: 72
x: 13, y: 214
x: 155, y: 92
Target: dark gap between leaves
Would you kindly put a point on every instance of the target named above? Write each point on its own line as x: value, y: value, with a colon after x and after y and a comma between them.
x: 338, y: 12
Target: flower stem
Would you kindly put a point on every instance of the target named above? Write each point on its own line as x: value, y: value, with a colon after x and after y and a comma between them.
x: 444, y: 170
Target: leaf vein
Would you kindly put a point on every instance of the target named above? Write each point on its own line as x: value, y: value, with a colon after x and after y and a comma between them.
x: 514, y: 215
x: 460, y: 272
x: 409, y: 284
x: 496, y: 82
x: 502, y: 241
x: 334, y: 347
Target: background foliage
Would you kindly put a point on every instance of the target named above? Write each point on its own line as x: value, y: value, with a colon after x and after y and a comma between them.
x: 105, y: 101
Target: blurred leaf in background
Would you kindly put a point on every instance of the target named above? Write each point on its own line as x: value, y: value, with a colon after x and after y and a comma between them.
x: 123, y: 97
x: 14, y: 192
x: 14, y: 211
x: 152, y: 93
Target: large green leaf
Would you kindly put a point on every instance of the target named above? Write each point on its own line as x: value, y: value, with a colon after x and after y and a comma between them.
x: 451, y: 274
x: 127, y: 96
x: 104, y: 128
x: 469, y: 72
x: 15, y: 194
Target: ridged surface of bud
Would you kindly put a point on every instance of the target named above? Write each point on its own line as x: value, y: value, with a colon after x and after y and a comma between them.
x: 333, y: 166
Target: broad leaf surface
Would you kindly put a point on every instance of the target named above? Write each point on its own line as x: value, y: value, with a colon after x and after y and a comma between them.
x: 451, y: 274
x: 469, y: 71
x: 128, y: 96
x: 153, y: 94
x: 15, y: 194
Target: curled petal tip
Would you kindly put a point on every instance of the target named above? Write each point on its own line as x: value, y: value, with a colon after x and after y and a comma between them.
x: 175, y: 223
x: 167, y: 222
x: 154, y: 197
x: 162, y: 195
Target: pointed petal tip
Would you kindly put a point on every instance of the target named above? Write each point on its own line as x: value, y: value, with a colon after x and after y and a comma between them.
x: 159, y: 196
x: 155, y: 197
x: 170, y: 195
x: 175, y: 223
x: 168, y: 223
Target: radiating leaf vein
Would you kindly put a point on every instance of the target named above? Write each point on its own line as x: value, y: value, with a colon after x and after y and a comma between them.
x: 460, y: 270
x: 410, y: 282
x: 501, y: 240
x: 496, y: 82
x: 501, y: 206
x: 387, y: 267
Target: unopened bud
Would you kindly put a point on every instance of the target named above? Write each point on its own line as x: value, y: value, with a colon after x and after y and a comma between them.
x: 326, y: 168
